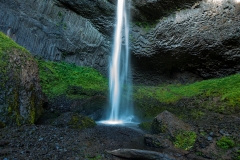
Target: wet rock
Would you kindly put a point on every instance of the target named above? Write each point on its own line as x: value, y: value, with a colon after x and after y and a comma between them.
x: 168, y: 123
x: 157, y: 141
x: 93, y: 106
x: 73, y: 120
x: 209, y: 138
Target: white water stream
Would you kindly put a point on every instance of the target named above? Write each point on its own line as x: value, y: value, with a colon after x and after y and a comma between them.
x: 120, y: 83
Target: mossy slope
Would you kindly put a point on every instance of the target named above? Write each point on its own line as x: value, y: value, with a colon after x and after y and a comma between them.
x: 70, y: 80
x: 154, y: 99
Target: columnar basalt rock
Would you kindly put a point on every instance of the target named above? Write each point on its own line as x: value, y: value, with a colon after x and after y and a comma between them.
x: 203, y: 40
x: 72, y: 31
x: 151, y: 10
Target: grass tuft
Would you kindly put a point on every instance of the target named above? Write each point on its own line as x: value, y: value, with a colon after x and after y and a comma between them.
x: 185, y: 140
x: 225, y: 142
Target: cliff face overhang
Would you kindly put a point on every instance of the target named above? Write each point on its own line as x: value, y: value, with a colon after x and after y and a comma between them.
x: 61, y: 30
x: 152, y: 10
x: 203, y: 40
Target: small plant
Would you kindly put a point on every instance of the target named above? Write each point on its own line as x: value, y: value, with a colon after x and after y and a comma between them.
x: 185, y: 139
x: 225, y: 142
x: 98, y: 157
x: 197, y: 114
x: 60, y: 14
x: 237, y: 155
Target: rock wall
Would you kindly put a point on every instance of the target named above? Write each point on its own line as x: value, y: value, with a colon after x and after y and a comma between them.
x: 203, y: 41
x: 151, y: 10
x: 61, y: 30
x: 190, y: 40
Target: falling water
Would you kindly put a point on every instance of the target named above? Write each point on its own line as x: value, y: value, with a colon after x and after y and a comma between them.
x: 119, y: 77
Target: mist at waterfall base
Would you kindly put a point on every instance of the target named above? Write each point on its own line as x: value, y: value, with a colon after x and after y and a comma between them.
x: 120, y: 83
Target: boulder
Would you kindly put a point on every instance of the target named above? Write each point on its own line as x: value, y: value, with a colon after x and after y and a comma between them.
x: 74, y: 121
x: 157, y: 141
x: 21, y: 96
x: 169, y: 124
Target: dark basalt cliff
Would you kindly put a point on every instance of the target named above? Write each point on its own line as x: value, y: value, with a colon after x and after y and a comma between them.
x: 151, y: 10
x: 203, y: 40
x: 190, y: 40
x: 72, y: 31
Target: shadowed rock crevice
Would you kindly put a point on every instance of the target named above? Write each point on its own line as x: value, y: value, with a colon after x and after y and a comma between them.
x: 154, y: 9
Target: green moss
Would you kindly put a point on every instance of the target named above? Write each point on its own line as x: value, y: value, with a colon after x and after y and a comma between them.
x: 7, y: 44
x: 185, y: 139
x: 98, y: 157
x: 68, y: 79
x: 237, y: 155
x: 227, y: 89
x: 8, y: 51
x: 196, y: 114
x: 225, y: 142
x: 147, y: 26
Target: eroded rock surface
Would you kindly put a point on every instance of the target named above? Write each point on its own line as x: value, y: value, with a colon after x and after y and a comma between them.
x: 203, y: 40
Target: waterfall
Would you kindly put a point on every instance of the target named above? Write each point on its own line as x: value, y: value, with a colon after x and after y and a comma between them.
x: 120, y: 85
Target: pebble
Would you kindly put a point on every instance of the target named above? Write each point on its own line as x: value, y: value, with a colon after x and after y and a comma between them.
x: 209, y: 138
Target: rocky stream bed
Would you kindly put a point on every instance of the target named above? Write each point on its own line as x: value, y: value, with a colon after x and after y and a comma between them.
x: 51, y: 142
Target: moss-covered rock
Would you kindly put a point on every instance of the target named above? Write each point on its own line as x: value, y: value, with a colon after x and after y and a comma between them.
x: 167, y: 123
x: 20, y: 91
x: 74, y: 121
